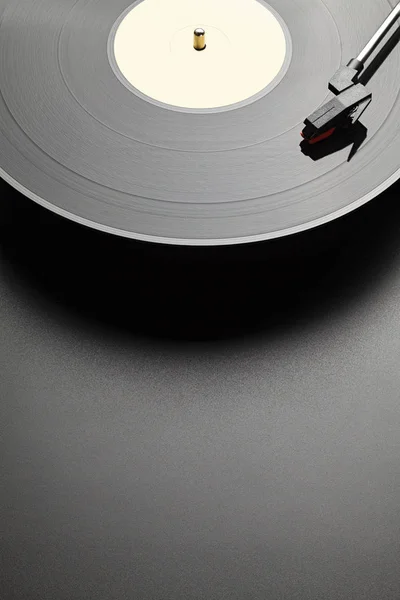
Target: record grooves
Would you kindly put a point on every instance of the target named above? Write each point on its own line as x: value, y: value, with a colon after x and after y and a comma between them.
x: 78, y: 140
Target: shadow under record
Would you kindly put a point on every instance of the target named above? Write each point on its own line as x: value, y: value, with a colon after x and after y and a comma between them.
x: 196, y: 293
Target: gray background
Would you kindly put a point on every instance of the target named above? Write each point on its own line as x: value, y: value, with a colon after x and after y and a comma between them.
x: 200, y: 424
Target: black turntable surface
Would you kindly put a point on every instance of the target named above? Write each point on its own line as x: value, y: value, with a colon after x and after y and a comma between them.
x: 186, y: 427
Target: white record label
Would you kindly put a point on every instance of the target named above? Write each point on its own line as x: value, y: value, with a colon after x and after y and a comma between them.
x: 245, y: 50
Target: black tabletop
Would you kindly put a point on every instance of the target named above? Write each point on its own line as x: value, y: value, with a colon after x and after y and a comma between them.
x: 200, y: 423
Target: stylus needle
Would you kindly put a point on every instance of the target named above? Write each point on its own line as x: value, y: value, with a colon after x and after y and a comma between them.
x: 351, y: 97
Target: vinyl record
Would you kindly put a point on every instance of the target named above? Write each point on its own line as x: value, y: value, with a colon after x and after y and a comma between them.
x: 109, y: 117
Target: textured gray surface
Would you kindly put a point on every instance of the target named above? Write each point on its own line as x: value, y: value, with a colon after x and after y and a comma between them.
x: 77, y: 140
x: 263, y: 464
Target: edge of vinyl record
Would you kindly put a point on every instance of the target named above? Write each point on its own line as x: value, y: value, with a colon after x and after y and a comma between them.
x: 202, y: 241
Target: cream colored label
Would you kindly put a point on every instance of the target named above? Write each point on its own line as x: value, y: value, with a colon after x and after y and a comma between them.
x: 245, y: 50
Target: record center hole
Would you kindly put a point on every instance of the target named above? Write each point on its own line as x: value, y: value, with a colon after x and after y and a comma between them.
x: 199, y: 39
